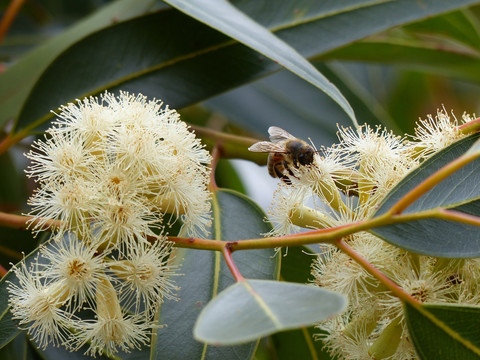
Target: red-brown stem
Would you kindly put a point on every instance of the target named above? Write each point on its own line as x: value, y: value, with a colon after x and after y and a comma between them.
x: 3, y: 271
x: 431, y: 181
x: 227, y: 255
x: 389, y: 284
x: 221, y: 137
x: 23, y: 222
x: 9, y: 141
x: 470, y: 127
x: 9, y: 15
x: 195, y: 243
x: 458, y: 216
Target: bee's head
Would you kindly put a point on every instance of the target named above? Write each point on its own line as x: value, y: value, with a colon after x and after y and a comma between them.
x: 306, y: 156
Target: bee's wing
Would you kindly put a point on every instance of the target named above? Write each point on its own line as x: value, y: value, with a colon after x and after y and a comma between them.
x: 278, y: 134
x: 266, y: 146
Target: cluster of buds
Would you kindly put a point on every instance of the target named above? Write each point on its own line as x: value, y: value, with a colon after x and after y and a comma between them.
x: 345, y: 184
x: 116, y: 174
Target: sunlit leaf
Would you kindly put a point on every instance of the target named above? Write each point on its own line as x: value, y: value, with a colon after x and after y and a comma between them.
x: 254, y: 308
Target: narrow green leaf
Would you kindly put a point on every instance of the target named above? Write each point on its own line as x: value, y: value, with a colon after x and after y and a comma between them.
x: 17, y: 82
x: 459, y: 192
x: 183, y: 61
x: 458, y: 25
x: 205, y: 274
x: 416, y: 56
x: 287, y: 101
x: 251, y: 309
x: 223, y: 16
x: 445, y: 331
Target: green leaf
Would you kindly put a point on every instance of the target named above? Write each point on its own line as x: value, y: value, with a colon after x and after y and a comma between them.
x: 8, y: 326
x: 17, y: 82
x: 289, y: 102
x: 444, y: 331
x: 299, y: 344
x: 227, y: 177
x: 60, y: 352
x: 223, y: 16
x: 251, y: 309
x: 458, y: 25
x: 173, y: 57
x: 17, y: 349
x: 296, y: 264
x: 205, y: 274
x: 459, y: 192
x: 414, y: 55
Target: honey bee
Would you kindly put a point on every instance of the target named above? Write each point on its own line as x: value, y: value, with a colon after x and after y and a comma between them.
x: 285, y: 151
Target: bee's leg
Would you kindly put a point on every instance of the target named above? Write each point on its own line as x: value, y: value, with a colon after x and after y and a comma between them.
x: 286, y: 179
x: 278, y: 171
x: 290, y: 172
x: 295, y: 163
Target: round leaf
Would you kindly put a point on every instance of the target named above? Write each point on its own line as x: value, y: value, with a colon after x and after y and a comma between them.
x: 251, y: 309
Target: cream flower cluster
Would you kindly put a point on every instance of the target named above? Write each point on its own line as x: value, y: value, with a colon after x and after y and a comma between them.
x: 117, y: 172
x: 346, y: 184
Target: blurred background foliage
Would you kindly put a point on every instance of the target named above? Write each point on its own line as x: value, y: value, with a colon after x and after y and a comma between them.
x: 53, y: 51
x: 390, y: 78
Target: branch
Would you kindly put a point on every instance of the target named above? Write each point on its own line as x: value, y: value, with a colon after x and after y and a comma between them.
x: 22, y: 222
x: 227, y: 254
x: 231, y: 146
x: 9, y: 15
x: 389, y: 284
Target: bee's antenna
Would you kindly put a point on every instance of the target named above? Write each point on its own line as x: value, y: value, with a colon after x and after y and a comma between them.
x: 313, y: 145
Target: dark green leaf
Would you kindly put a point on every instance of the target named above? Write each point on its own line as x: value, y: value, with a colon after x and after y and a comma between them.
x: 223, y: 16
x: 15, y: 349
x: 459, y: 192
x: 458, y: 25
x: 17, y: 82
x: 299, y: 344
x: 251, y: 309
x: 8, y: 326
x: 287, y: 101
x: 56, y: 353
x: 170, y: 56
x: 296, y: 264
x: 12, y: 187
x: 445, y: 331
x: 417, y: 56
x: 205, y: 275
x: 227, y: 177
